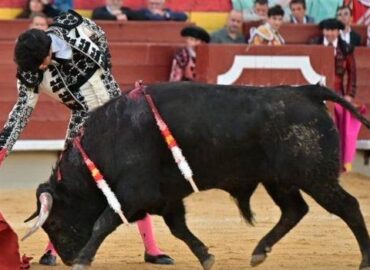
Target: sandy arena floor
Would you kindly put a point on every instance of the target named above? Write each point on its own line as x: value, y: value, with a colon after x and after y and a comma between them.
x: 321, y: 241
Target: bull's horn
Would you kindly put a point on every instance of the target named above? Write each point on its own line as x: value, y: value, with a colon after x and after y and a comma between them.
x: 46, y: 201
x: 35, y: 214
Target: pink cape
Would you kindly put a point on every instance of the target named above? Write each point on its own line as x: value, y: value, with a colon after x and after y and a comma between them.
x: 348, y: 128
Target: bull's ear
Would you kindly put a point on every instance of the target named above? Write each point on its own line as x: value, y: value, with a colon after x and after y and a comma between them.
x: 35, y: 214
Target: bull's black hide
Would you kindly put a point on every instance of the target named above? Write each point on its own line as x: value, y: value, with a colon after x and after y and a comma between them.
x: 233, y: 138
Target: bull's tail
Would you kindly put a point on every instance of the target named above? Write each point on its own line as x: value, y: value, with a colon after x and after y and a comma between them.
x: 322, y: 93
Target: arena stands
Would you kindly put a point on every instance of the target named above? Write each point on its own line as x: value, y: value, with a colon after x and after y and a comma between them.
x: 209, y: 14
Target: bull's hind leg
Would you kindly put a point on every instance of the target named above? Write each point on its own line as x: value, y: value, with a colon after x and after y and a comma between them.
x: 174, y: 216
x: 293, y: 209
x: 334, y: 199
x: 106, y: 223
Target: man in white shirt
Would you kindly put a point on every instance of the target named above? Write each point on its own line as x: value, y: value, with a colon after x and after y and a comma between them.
x: 299, y: 16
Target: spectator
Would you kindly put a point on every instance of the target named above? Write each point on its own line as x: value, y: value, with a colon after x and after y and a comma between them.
x: 39, y: 21
x: 344, y: 67
x: 299, y: 16
x: 268, y: 33
x: 344, y: 14
x: 322, y: 9
x: 114, y: 10
x: 232, y: 32
x: 156, y: 11
x: 43, y: 6
x: 63, y: 5
x: 183, y: 64
x: 258, y: 12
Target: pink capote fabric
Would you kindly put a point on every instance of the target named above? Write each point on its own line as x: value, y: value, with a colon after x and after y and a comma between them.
x: 348, y: 128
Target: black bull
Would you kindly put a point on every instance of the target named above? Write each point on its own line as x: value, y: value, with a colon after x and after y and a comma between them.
x: 233, y: 138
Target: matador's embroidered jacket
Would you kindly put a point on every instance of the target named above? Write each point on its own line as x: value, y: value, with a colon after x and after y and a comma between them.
x: 82, y: 83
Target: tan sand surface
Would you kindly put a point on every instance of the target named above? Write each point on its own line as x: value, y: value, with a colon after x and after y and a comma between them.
x: 321, y: 241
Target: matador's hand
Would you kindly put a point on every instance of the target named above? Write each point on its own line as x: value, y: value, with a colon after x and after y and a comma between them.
x: 3, y: 153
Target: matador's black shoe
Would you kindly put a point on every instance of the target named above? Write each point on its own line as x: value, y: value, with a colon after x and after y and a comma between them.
x: 158, y: 259
x: 48, y: 259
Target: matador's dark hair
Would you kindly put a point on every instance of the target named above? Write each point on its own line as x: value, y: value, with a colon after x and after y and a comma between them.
x: 275, y: 11
x: 31, y: 49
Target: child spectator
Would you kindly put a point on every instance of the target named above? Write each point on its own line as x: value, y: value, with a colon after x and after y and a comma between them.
x: 156, y: 11
x: 43, y: 6
x: 258, y: 12
x: 183, y: 64
x: 39, y: 21
x: 322, y: 9
x: 298, y: 9
x: 232, y: 32
x: 344, y: 14
x: 268, y: 33
x: 115, y: 11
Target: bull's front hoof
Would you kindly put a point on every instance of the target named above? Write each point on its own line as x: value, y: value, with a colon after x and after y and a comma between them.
x: 258, y: 259
x: 158, y: 259
x: 48, y: 259
x: 79, y: 267
x: 207, y: 264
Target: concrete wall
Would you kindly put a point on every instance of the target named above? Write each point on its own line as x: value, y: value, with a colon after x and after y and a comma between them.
x: 359, y: 164
x: 26, y: 169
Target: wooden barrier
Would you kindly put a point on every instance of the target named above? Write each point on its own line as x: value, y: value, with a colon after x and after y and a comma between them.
x: 215, y: 60
x: 143, y: 31
x: 302, y: 33
x: 362, y: 56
